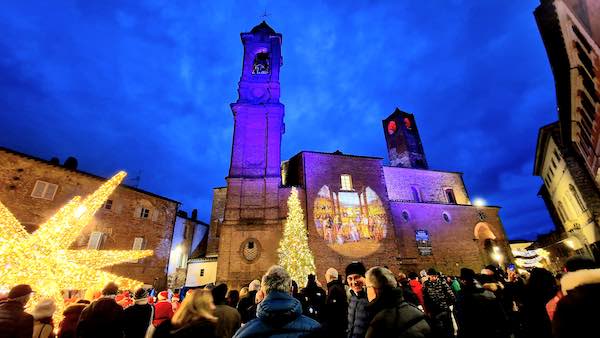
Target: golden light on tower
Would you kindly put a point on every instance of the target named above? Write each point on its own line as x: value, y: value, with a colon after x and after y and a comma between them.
x: 43, y: 259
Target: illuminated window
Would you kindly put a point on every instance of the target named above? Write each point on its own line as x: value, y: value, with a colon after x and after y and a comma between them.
x: 44, y: 190
x: 95, y: 240
x: 450, y: 196
x: 576, y: 197
x: 346, y: 182
x: 138, y: 244
x: 416, y: 194
x: 144, y: 213
x: 261, y: 64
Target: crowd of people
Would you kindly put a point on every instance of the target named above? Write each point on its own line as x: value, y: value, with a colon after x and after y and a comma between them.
x: 369, y: 303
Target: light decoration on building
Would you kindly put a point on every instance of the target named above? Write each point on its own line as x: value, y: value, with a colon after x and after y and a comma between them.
x: 294, y: 253
x: 531, y: 258
x: 43, y: 259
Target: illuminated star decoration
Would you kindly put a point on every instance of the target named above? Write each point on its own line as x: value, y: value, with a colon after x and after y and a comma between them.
x: 43, y: 259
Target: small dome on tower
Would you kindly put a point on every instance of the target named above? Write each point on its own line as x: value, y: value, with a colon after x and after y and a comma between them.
x: 262, y: 28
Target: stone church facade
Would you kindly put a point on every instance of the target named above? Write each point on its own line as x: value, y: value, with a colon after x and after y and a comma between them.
x: 404, y: 216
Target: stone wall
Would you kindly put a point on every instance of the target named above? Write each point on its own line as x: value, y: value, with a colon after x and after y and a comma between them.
x: 120, y: 224
x: 430, y: 183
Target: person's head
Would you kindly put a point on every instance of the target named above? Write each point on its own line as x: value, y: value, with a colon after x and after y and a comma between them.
x: 355, y: 276
x: 579, y: 263
x: 254, y: 285
x: 244, y: 292
x: 20, y: 293
x: 311, y: 279
x: 433, y: 274
x: 219, y: 293
x: 140, y: 296
x: 163, y: 295
x: 233, y: 297
x: 44, y: 309
x: 260, y: 295
x: 276, y: 279
x: 331, y: 274
x: 379, y: 279
x: 198, y: 305
x: 413, y: 275
x: 110, y: 289
x: 467, y: 275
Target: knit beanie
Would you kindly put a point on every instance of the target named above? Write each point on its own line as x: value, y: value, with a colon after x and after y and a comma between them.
x: 356, y: 268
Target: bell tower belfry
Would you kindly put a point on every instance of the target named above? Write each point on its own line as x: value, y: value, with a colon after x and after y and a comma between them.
x: 251, y: 226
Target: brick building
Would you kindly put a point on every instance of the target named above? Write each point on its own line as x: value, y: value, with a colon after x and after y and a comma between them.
x: 404, y: 216
x: 33, y: 189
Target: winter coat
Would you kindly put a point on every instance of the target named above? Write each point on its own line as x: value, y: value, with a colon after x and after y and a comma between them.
x: 68, y: 326
x: 335, y: 314
x: 163, y: 310
x: 408, y: 293
x: 136, y: 320
x: 229, y: 321
x: 479, y: 312
x: 244, y: 307
x: 14, y: 321
x: 102, y: 318
x: 278, y: 315
x: 358, y: 315
x: 313, y: 299
x: 43, y: 328
x: 417, y: 288
x: 437, y: 296
x: 577, y: 312
x: 396, y: 318
x: 200, y: 328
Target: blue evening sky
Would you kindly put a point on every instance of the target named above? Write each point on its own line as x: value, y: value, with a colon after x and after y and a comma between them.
x: 146, y: 86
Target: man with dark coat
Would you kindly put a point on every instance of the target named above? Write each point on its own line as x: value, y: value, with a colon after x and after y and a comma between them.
x: 407, y: 291
x: 103, y: 317
x: 577, y: 313
x: 229, y: 318
x: 358, y: 315
x: 335, y: 314
x: 313, y: 299
x: 478, y: 311
x: 137, y: 317
x: 393, y: 316
x: 246, y: 304
x: 438, y: 298
x: 279, y: 314
x: 14, y: 321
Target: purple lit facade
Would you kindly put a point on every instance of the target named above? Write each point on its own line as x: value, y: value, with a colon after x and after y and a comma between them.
x: 404, y: 216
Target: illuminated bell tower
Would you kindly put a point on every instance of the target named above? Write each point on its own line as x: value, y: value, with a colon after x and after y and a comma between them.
x: 403, y: 141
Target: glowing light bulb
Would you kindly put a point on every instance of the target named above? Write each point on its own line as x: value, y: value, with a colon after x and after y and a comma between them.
x: 479, y: 202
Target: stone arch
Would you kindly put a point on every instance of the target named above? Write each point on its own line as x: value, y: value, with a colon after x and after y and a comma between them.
x: 482, y: 232
x: 486, y: 241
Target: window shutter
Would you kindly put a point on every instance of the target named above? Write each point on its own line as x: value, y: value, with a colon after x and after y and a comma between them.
x: 95, y: 240
x: 137, y: 211
x: 138, y: 244
x: 154, y: 215
x: 38, y: 189
x: 118, y: 208
x: 50, y: 191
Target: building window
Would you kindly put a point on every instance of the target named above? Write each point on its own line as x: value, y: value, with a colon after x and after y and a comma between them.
x: 562, y: 212
x: 576, y: 197
x: 446, y: 217
x: 95, y: 241
x: 144, y: 213
x: 346, y: 182
x: 553, y: 163
x: 450, y: 196
x: 201, y: 272
x: 44, y: 190
x: 548, y: 178
x: 405, y: 216
x: 107, y: 205
x: 551, y: 171
x: 261, y: 64
x: 556, y: 154
x: 250, y: 250
x: 416, y: 194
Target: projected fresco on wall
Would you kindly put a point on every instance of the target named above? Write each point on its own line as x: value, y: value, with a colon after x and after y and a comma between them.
x: 352, y: 222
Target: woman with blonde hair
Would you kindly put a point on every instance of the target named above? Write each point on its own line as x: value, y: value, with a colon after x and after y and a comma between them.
x: 193, y: 319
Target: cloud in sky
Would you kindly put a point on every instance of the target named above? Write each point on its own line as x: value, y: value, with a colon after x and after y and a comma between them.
x: 146, y: 86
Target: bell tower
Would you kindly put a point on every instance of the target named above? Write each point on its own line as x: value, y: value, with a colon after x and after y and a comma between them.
x: 403, y: 141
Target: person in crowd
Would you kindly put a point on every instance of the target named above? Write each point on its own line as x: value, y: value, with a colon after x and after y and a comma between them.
x: 438, y: 298
x: 233, y: 298
x: 279, y: 314
x: 243, y: 293
x: 454, y: 284
x: 14, y: 321
x: 393, y: 316
x: 163, y: 310
x: 68, y: 325
x: 175, y: 302
x: 229, y: 319
x: 552, y: 303
x: 42, y: 313
x: 540, y: 288
x: 416, y: 287
x: 358, y: 315
x: 478, y: 311
x: 103, y: 317
x: 124, y: 299
x: 194, y: 319
x: 335, y: 314
x: 577, y: 313
x: 407, y: 291
x: 248, y: 302
x: 260, y: 295
x: 313, y: 298
x: 138, y: 317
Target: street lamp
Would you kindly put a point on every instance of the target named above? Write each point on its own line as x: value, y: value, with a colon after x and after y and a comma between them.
x: 497, y: 255
x: 479, y: 202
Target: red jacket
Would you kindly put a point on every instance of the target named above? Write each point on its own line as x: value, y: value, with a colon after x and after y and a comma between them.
x: 163, y: 310
x: 417, y: 288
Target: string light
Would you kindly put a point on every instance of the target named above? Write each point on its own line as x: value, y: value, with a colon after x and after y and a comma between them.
x: 43, y: 259
x: 294, y: 253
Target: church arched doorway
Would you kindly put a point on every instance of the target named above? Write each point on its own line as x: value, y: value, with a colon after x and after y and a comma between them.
x: 486, y: 242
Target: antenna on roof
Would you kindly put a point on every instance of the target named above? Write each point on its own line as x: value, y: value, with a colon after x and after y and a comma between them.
x: 265, y: 15
x: 135, y: 181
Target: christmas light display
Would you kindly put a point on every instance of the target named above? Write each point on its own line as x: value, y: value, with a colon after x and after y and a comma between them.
x: 294, y: 253
x: 43, y: 259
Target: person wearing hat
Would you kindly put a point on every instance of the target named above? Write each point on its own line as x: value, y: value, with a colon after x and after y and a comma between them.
x: 103, y: 317
x: 163, y: 310
x: 438, y: 297
x: 43, y: 326
x: 358, y: 315
x: 138, y: 317
x: 14, y: 321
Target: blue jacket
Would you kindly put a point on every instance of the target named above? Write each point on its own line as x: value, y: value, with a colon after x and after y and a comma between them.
x: 278, y: 315
x: 358, y: 315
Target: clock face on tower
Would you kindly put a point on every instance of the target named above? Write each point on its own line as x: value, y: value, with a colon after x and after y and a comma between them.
x: 391, y: 127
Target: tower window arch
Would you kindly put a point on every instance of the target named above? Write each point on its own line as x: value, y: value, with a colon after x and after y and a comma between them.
x: 561, y: 211
x: 576, y: 197
x: 261, y: 63
x: 416, y: 194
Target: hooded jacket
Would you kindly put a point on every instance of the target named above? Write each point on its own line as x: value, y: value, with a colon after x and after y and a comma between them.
x: 577, y: 312
x: 278, y: 315
x: 396, y: 318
